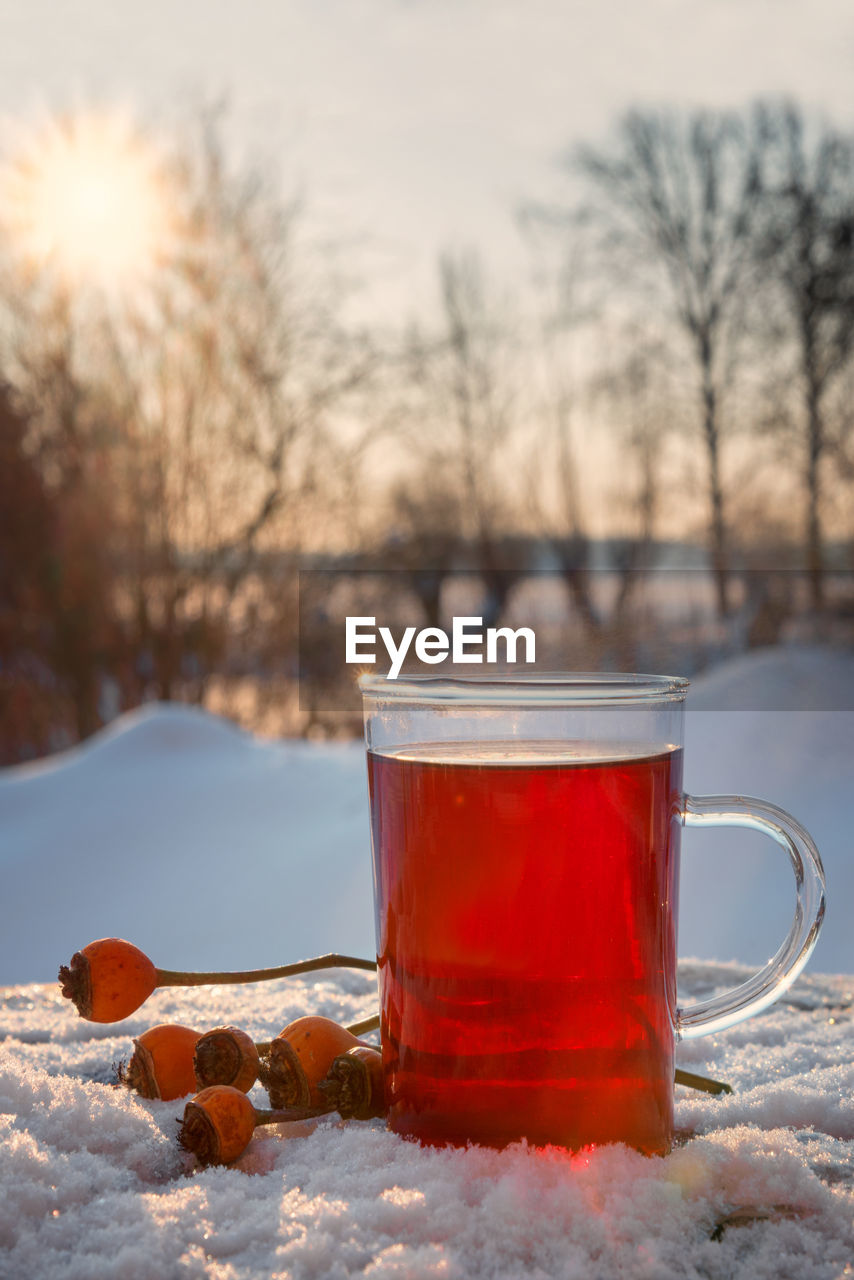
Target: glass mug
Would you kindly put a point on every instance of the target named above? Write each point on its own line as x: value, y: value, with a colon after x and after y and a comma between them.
x: 525, y: 836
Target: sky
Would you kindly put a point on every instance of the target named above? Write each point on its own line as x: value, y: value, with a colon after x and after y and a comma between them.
x: 411, y: 125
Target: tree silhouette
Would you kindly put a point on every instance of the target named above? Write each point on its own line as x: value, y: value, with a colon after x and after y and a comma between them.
x: 807, y: 249
x: 190, y: 435
x: 458, y: 418
x: 680, y: 199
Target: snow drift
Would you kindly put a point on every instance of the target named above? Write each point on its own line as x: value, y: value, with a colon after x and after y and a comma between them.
x: 209, y: 848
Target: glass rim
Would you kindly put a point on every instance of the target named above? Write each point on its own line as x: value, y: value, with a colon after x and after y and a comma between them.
x: 557, y: 688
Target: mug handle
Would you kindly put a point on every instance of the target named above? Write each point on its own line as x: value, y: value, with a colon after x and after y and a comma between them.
x: 779, y: 973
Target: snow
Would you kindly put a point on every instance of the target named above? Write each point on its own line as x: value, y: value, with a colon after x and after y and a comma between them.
x: 212, y: 849
x: 778, y: 724
x: 786, y: 678
x: 195, y: 840
x: 209, y: 848
x: 92, y: 1183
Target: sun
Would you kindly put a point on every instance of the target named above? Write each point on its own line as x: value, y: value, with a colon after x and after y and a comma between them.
x: 84, y: 196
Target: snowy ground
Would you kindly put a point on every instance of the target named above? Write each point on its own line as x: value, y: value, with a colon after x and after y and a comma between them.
x: 211, y: 849
x: 93, y: 1185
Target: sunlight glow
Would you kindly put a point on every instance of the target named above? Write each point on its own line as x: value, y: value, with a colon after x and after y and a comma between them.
x: 84, y: 196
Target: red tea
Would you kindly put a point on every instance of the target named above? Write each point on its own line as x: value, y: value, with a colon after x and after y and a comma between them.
x: 526, y: 899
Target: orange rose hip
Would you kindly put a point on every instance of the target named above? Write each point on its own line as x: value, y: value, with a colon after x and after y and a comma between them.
x: 162, y: 1062
x: 300, y: 1057
x: 226, y: 1055
x: 108, y: 980
x: 219, y: 1122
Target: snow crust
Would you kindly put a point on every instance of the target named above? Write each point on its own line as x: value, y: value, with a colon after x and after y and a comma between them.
x: 93, y: 1185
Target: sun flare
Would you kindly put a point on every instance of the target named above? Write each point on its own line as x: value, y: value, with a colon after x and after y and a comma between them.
x: 84, y: 196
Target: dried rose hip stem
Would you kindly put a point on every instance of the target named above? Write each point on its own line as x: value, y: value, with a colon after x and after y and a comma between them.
x: 704, y: 1083
x: 177, y: 978
x: 219, y: 1122
x: 367, y: 1024
x: 110, y: 978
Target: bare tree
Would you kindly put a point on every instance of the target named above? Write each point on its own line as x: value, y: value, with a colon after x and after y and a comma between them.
x: 594, y: 378
x: 210, y: 416
x: 555, y: 450
x: 635, y: 392
x: 807, y: 248
x: 229, y: 388
x: 427, y: 536
x: 28, y: 561
x: 67, y: 434
x: 680, y: 201
x: 460, y: 416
